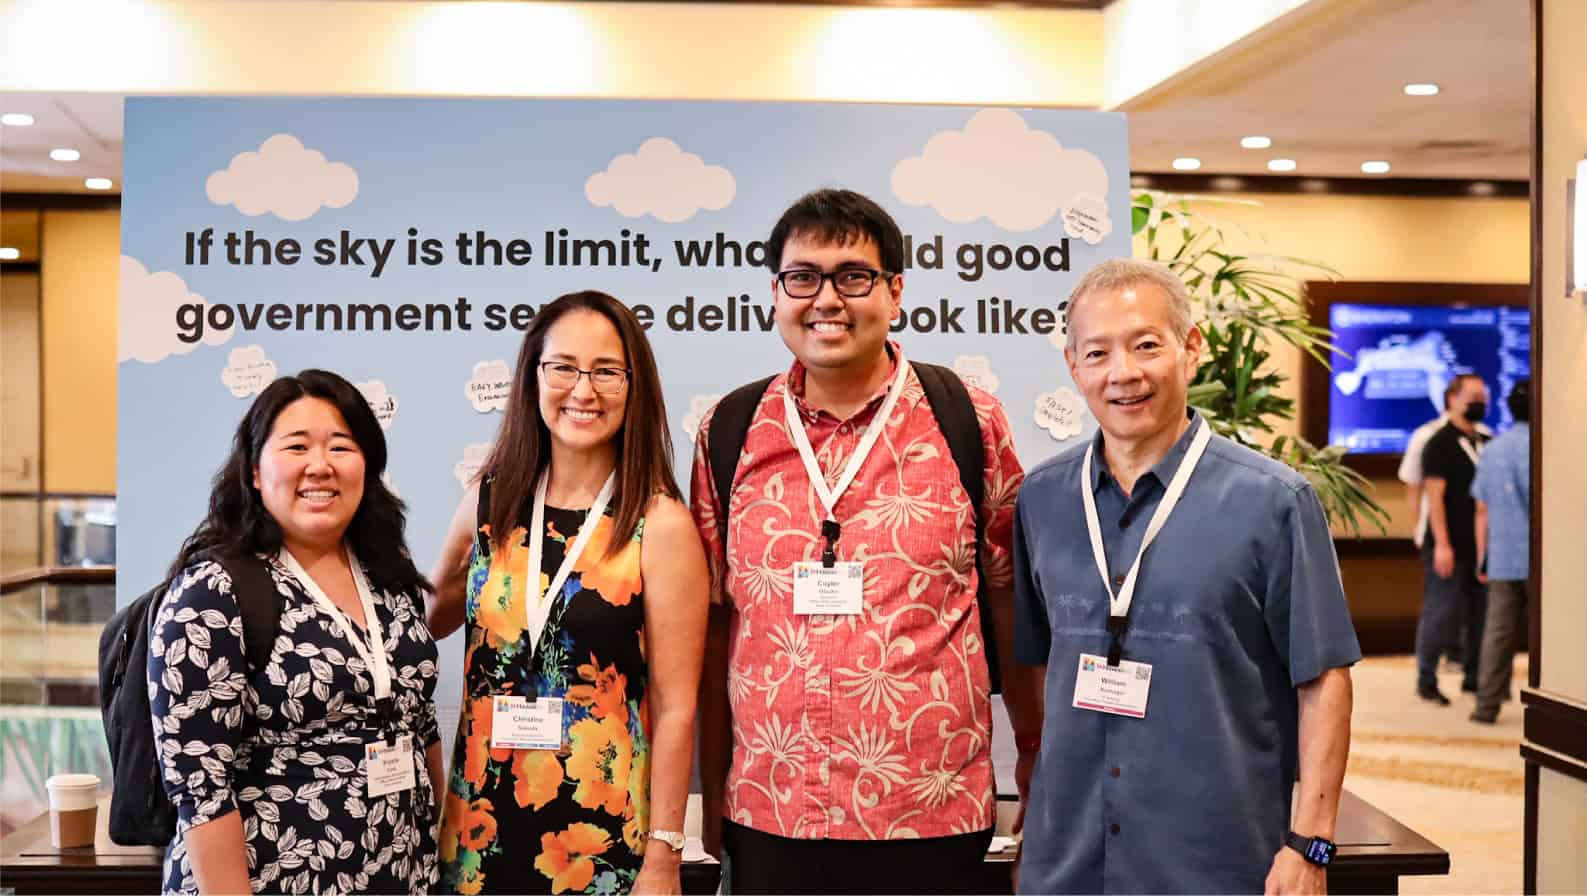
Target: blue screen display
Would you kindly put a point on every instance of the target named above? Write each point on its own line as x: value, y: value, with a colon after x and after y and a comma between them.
x: 1399, y: 358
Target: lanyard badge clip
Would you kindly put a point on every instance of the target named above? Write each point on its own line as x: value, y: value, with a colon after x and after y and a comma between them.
x: 831, y: 531
x: 1117, y: 625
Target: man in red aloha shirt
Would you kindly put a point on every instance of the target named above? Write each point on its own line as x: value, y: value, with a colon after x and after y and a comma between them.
x: 845, y: 708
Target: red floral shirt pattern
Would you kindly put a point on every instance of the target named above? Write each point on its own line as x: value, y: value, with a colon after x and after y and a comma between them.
x: 875, y: 726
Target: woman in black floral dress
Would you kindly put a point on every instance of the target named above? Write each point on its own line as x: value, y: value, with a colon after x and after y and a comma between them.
x: 270, y: 774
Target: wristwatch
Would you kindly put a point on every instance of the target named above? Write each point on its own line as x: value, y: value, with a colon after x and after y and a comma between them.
x: 673, y: 839
x: 1316, y: 850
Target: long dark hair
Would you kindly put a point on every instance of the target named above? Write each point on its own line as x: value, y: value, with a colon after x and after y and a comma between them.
x: 523, y: 444
x: 238, y: 521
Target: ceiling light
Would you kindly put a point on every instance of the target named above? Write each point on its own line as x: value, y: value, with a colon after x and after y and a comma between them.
x: 1374, y: 167
x: 16, y: 119
x: 97, y: 183
x: 1186, y: 164
x: 1281, y: 164
x: 9, y: 254
x: 1421, y: 90
x: 1483, y: 188
x: 65, y: 155
x: 1256, y: 142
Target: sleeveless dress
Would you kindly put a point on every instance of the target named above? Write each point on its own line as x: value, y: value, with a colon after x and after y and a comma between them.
x: 573, y: 820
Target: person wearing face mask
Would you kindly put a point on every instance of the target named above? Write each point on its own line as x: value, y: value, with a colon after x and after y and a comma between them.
x: 319, y: 773
x: 1451, y: 590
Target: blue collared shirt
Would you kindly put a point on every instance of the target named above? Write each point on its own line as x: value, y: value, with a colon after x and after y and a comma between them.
x: 1237, y: 602
x: 1504, y: 484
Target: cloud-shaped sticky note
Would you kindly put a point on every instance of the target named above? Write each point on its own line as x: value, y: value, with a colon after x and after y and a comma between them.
x: 148, y: 317
x: 385, y: 478
x: 247, y: 371
x: 698, y: 406
x: 284, y: 178
x: 661, y: 180
x: 489, y: 386
x: 1000, y: 169
x: 381, y: 401
x: 474, y: 456
x: 977, y: 371
x: 1060, y: 412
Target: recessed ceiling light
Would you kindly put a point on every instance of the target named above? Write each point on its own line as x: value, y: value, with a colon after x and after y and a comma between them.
x: 1281, y: 164
x: 97, y: 183
x: 1256, y: 142
x: 16, y: 119
x: 1421, y: 90
x: 9, y: 254
x: 1186, y: 164
x: 1374, y: 167
x: 1483, y: 188
x: 65, y: 155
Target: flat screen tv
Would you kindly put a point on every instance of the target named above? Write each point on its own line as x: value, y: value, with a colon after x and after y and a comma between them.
x: 1402, y: 344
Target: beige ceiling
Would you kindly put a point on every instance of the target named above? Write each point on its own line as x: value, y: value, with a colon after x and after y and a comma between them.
x: 1326, y: 86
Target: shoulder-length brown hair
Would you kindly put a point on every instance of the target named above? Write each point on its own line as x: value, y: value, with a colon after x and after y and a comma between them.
x: 523, y: 444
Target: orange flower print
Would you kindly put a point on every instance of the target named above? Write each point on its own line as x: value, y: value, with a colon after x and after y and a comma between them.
x: 451, y: 818
x: 504, y: 599
x: 478, y: 828
x: 636, y: 827
x: 601, y: 761
x: 565, y: 857
x: 616, y: 579
x: 536, y: 777
x: 608, y: 693
x: 477, y: 749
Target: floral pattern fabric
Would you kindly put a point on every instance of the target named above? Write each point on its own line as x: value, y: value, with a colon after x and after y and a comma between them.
x: 553, y: 821
x: 875, y: 726
x: 285, y: 748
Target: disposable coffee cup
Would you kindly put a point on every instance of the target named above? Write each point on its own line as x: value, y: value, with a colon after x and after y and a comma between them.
x: 74, y: 809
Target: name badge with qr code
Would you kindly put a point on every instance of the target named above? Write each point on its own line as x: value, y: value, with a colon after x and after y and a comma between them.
x: 838, y: 590
x: 518, y: 724
x: 1118, y: 690
x: 390, y: 769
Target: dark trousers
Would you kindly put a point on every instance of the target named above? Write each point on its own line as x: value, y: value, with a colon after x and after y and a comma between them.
x: 1445, y: 603
x: 1503, y: 633
x: 765, y: 863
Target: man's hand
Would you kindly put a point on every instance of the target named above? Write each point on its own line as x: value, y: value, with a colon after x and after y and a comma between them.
x: 1291, y: 874
x: 1443, y: 560
x: 1024, y: 766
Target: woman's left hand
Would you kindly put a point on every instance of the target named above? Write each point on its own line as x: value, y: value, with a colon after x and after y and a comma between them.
x: 658, y: 879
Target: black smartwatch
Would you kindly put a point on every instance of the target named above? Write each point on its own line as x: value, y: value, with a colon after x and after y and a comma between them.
x: 1316, y: 850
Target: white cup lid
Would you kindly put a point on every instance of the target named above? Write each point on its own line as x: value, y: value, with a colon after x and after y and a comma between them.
x: 72, y: 781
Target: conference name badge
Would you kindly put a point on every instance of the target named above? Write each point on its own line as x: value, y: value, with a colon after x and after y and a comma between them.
x: 390, y: 769
x: 838, y: 590
x: 518, y: 724
x: 1118, y: 690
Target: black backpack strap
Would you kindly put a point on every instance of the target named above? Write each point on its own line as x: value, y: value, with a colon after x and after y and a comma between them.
x: 481, y: 517
x: 955, y: 412
x: 729, y: 428
x: 259, y: 604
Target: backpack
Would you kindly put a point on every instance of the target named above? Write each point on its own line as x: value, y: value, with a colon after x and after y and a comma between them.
x: 140, y: 812
x: 955, y: 414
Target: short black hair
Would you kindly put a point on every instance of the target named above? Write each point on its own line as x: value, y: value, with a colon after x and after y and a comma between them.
x: 1455, y: 384
x: 842, y: 217
x: 1520, y: 400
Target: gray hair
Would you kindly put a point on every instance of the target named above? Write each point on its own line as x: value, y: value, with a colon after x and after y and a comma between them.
x: 1118, y: 273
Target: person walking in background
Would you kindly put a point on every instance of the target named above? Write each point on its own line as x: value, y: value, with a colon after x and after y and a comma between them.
x: 1502, y: 490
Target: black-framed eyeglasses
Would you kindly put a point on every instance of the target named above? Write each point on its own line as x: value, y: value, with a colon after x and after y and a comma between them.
x: 562, y: 375
x: 852, y: 283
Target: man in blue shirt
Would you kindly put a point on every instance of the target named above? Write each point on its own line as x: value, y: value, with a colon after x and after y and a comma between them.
x: 1503, y: 492
x: 1184, y: 687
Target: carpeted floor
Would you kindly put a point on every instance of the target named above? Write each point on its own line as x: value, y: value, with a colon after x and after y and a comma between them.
x: 1452, y: 780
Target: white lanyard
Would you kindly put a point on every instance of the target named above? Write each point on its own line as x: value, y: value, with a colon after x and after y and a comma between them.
x: 1471, y: 451
x: 374, y: 653
x: 539, y: 611
x: 818, y: 480
x: 1119, y: 603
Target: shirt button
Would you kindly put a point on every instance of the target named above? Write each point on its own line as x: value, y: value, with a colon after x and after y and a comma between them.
x: 1113, y: 772
x: 1113, y: 828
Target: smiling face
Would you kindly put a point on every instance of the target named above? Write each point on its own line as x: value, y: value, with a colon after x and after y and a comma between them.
x: 310, y: 474
x: 579, y: 417
x: 1129, y: 363
x: 830, y: 332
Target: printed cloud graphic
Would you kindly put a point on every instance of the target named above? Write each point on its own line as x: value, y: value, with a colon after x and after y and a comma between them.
x: 661, y: 180
x: 489, y: 386
x: 977, y: 371
x: 474, y: 455
x: 284, y: 178
x: 698, y: 406
x: 149, y: 304
x: 1000, y: 169
x: 381, y: 401
x: 247, y: 371
x: 1060, y: 412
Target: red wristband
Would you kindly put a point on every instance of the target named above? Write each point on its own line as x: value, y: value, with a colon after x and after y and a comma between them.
x: 1029, y: 744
